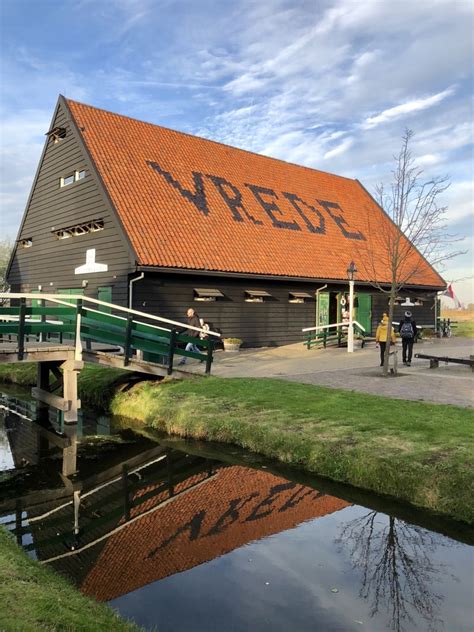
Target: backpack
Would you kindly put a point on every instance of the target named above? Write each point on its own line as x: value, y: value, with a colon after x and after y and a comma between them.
x: 406, y: 330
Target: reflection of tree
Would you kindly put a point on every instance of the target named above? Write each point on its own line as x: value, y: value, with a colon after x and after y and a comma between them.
x: 397, y: 572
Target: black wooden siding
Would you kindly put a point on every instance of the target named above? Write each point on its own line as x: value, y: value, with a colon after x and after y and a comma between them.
x: 273, y: 322
x: 50, y: 260
x: 421, y: 314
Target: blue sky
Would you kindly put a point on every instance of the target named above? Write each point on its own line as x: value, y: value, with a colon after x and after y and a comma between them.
x: 328, y: 84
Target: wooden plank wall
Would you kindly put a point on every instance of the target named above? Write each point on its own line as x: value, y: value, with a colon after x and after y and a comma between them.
x: 273, y: 322
x: 53, y: 261
x: 422, y: 314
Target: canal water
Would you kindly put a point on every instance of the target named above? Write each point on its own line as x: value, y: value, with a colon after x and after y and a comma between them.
x: 193, y: 540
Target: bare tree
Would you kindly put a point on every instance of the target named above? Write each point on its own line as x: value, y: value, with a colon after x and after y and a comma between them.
x: 418, y: 226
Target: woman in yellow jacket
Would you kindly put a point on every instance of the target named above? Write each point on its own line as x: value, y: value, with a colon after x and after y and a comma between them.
x: 381, y: 336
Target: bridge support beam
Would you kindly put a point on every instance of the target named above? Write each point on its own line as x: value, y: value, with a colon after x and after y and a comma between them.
x: 71, y: 369
x: 69, y: 403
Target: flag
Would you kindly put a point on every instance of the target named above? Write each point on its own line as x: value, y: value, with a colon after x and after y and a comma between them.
x: 450, y: 292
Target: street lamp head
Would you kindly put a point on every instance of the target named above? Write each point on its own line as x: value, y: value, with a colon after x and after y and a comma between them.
x: 351, y: 270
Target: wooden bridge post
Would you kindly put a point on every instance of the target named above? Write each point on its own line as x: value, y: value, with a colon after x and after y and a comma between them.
x: 71, y: 369
x: 70, y: 452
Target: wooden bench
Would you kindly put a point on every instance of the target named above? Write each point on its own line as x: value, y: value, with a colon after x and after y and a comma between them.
x: 435, y: 360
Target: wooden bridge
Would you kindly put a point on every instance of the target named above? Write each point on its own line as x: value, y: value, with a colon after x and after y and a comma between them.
x: 60, y: 334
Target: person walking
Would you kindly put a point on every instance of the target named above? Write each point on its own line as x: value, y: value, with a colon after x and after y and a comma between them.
x: 193, y: 321
x: 407, y: 330
x: 381, y: 336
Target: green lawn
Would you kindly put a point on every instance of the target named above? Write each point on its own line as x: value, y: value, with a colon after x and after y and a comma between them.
x: 33, y: 598
x: 421, y: 453
x: 464, y: 328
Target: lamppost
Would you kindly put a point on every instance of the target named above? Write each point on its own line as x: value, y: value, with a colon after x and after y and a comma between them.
x: 351, y: 270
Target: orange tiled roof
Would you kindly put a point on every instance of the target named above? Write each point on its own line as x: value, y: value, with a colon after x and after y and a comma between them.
x: 186, y: 202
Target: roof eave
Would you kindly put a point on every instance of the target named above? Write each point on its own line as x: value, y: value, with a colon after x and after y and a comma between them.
x: 274, y: 277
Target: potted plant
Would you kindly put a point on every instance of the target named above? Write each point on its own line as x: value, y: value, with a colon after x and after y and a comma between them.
x: 232, y: 344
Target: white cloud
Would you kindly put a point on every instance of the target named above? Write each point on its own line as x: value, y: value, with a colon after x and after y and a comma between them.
x: 407, y: 108
x: 340, y: 149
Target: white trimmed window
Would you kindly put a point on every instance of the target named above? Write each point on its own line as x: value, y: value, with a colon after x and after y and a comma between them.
x: 207, y: 294
x: 71, y: 178
x: 256, y: 296
x: 300, y: 297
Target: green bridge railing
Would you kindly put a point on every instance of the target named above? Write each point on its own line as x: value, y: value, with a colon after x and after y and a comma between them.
x: 336, y: 334
x: 79, y: 320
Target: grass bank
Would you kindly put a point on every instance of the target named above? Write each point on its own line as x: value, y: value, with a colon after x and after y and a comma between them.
x: 96, y: 384
x: 34, y: 598
x: 417, y: 452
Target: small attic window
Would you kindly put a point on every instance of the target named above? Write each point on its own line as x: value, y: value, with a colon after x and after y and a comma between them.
x: 26, y: 243
x: 207, y: 294
x: 56, y: 134
x: 73, y: 177
x: 256, y: 296
x: 67, y: 180
x: 299, y: 297
x: 93, y: 226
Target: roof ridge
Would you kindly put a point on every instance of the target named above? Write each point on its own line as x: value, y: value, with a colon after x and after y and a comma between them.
x: 210, y: 140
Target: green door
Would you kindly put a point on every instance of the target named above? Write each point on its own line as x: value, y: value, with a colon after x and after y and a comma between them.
x: 35, y: 302
x: 75, y: 290
x: 363, y: 311
x: 105, y: 294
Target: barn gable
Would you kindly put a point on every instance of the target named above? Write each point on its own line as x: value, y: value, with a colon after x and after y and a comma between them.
x: 69, y: 223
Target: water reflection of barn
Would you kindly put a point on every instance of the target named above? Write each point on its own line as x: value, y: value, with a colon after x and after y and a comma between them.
x: 184, y: 512
x: 133, y: 213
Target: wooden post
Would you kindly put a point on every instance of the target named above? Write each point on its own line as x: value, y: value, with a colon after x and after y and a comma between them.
x: 77, y: 506
x: 128, y: 340
x: 77, y: 341
x: 42, y: 337
x: 42, y: 382
x: 171, y: 351
x: 70, y: 452
x: 21, y: 329
x: 209, y: 356
x: 71, y: 369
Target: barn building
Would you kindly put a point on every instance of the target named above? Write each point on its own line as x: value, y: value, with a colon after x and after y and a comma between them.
x: 158, y: 220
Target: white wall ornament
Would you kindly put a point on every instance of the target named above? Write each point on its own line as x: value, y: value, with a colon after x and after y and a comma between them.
x: 407, y: 303
x: 90, y: 264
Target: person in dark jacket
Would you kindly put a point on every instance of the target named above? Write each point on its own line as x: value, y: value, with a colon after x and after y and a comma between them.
x: 193, y: 321
x: 407, y: 330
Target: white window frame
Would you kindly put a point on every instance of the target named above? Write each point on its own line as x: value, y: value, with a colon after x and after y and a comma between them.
x: 76, y: 177
x: 257, y: 296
